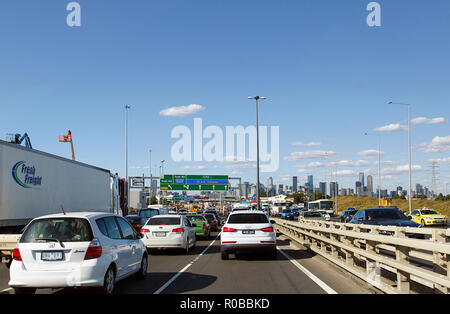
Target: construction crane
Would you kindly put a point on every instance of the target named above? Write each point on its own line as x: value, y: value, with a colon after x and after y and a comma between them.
x: 18, y: 139
x: 68, y: 139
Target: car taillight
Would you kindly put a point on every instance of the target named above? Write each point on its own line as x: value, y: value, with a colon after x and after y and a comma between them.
x: 94, y: 250
x: 143, y: 230
x: 204, y: 227
x: 268, y: 229
x: 226, y: 229
x: 16, y: 255
x: 178, y: 230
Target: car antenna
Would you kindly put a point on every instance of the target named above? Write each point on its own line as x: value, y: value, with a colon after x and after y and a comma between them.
x: 62, y: 208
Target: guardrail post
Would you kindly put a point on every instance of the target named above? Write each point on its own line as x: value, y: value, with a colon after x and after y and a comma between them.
x: 440, y: 260
x: 403, y: 278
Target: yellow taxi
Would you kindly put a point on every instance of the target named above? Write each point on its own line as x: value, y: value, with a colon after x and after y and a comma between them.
x: 428, y: 217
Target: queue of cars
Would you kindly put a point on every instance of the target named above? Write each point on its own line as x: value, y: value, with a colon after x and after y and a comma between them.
x: 96, y: 250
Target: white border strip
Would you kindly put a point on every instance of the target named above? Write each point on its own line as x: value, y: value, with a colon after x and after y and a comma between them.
x: 185, y: 268
x: 319, y: 282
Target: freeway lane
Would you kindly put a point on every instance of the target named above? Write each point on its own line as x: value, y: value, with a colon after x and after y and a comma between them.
x: 207, y: 273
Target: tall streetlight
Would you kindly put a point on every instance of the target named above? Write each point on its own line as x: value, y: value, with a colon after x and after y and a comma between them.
x: 162, y: 168
x: 409, y: 150
x: 379, y: 166
x: 126, y: 107
x: 151, y: 175
x: 257, y: 151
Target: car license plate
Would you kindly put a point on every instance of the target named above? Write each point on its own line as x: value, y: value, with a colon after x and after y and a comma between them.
x: 52, y: 256
x: 159, y: 234
x: 248, y: 231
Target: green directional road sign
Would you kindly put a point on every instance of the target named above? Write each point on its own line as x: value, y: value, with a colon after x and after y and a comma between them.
x: 194, y: 183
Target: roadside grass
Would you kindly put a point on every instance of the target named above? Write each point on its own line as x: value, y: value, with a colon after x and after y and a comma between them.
x: 344, y: 202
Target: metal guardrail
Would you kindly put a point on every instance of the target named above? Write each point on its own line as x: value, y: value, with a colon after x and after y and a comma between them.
x: 388, y: 258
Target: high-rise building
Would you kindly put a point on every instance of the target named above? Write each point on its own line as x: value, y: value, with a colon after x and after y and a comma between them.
x: 334, y: 187
x: 294, y: 184
x: 358, y: 188
x: 361, y: 179
x: 370, y: 185
x: 323, y: 187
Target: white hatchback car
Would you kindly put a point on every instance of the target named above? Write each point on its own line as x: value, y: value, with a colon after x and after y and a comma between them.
x: 248, y: 231
x: 169, y: 232
x: 77, y: 250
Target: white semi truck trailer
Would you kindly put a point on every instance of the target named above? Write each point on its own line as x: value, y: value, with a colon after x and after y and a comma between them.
x: 35, y: 183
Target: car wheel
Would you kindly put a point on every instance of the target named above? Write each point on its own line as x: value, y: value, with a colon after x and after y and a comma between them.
x: 24, y: 290
x: 224, y: 255
x: 143, y: 270
x: 110, y: 281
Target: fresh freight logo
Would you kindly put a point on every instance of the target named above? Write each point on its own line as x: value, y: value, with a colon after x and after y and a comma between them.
x: 25, y: 176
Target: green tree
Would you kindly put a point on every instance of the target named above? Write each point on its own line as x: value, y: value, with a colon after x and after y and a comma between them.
x: 153, y: 200
x: 317, y: 196
x: 298, y: 197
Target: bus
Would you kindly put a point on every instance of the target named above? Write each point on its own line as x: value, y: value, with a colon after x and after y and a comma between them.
x: 326, y: 205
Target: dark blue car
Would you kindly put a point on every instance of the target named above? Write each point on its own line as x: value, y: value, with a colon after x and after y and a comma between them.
x: 386, y: 216
x: 287, y: 214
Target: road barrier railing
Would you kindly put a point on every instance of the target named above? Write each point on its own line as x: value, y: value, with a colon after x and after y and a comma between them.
x: 388, y: 258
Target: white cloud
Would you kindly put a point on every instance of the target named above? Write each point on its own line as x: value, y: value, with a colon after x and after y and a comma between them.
x: 440, y: 160
x: 437, y: 145
x: 182, y: 111
x: 391, y: 128
x: 400, y: 169
x: 345, y: 173
x: 310, y: 144
x: 423, y: 120
x: 314, y: 154
x: 370, y: 153
x: 192, y: 168
x: 242, y: 166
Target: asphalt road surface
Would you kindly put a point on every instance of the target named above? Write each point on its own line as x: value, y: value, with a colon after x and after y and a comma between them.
x: 202, y: 271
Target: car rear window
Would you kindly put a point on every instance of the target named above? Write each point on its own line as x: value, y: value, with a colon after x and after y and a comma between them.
x: 148, y: 213
x: 134, y: 219
x: 196, y: 218
x: 157, y: 221
x: 248, y: 218
x: 60, y: 229
x: 210, y: 217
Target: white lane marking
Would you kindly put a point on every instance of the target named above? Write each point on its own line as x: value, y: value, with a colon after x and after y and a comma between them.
x: 319, y: 282
x: 185, y: 268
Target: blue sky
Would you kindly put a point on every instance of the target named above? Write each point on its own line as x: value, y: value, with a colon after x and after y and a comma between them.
x: 327, y: 75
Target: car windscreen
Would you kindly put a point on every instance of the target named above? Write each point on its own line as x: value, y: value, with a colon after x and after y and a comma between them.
x: 58, y: 229
x: 158, y: 221
x: 148, y: 213
x: 380, y: 214
x: 286, y: 211
x: 429, y: 212
x: 350, y: 212
x: 248, y: 219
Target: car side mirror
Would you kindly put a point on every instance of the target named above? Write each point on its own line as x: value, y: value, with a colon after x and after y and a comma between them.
x: 273, y: 222
x: 140, y: 236
x: 409, y: 217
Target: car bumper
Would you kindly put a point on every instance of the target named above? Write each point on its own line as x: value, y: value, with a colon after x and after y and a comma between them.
x: 90, y: 274
x: 155, y: 243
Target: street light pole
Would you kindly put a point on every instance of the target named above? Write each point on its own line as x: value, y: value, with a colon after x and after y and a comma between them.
x: 162, y: 168
x: 151, y: 176
x: 257, y: 152
x: 126, y: 155
x: 409, y: 152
